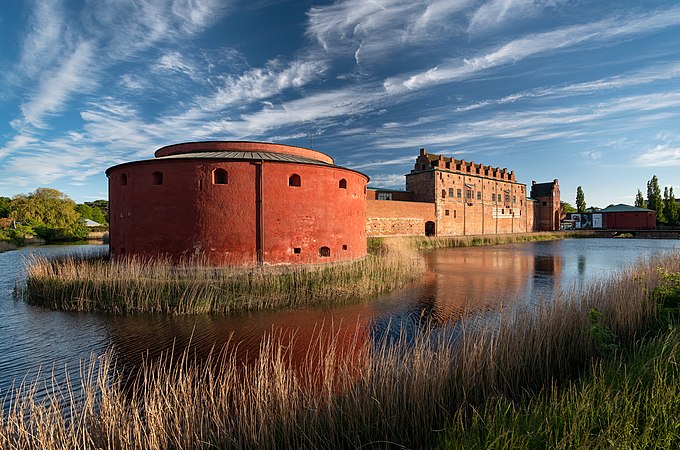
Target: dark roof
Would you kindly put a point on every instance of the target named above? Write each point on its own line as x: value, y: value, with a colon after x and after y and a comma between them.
x: 248, y: 156
x: 542, y: 189
x: 623, y: 208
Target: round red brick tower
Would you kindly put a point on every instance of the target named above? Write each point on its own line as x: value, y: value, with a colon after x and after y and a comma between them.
x: 238, y: 203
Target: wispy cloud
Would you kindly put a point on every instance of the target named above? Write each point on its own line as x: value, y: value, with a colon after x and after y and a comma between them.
x: 495, y: 13
x: 600, y: 32
x: 41, y: 47
x: 370, y: 29
x: 56, y: 87
x: 389, y: 180
x: 661, y: 155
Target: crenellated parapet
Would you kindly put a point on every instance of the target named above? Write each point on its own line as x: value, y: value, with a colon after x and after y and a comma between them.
x: 430, y: 161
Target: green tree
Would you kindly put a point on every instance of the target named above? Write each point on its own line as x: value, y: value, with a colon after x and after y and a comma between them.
x: 49, y: 213
x: 580, y: 200
x: 103, y: 206
x: 670, y: 206
x: 639, y: 200
x: 87, y: 211
x: 654, y: 200
x: 567, y: 208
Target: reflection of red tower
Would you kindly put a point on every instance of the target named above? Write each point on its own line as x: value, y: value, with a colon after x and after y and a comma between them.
x: 548, y: 210
x: 241, y: 203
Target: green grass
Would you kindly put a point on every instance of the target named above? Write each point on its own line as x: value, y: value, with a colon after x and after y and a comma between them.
x: 632, y: 401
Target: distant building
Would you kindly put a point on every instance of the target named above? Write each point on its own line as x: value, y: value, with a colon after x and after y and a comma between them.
x: 626, y: 217
x: 449, y: 197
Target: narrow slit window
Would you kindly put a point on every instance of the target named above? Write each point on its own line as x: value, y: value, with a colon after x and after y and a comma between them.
x: 157, y: 178
x: 220, y: 176
x: 294, y: 180
x: 342, y: 184
x: 123, y: 179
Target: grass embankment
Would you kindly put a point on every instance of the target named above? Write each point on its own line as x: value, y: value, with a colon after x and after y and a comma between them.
x: 133, y: 285
x: 424, y: 243
x: 352, y: 394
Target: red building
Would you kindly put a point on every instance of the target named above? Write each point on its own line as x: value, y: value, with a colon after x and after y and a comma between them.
x: 238, y: 203
x: 626, y: 217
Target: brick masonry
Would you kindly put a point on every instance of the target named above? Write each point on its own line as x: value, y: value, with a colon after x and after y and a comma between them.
x: 467, y: 199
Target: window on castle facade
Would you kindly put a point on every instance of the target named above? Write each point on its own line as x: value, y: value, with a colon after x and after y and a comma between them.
x: 450, y: 192
x: 294, y: 180
x: 443, y: 193
x: 514, y: 199
x: 479, y: 195
x: 220, y: 176
x: 493, y: 197
x: 384, y: 196
x: 446, y: 212
x: 507, y: 198
x: 458, y: 193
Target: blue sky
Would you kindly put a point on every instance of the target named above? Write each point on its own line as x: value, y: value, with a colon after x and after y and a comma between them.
x: 584, y: 91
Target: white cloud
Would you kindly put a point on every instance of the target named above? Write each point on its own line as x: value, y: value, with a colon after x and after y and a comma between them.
x: 661, y: 155
x: 389, y: 180
x: 42, y: 43
x: 602, y: 32
x: 492, y: 14
x: 370, y: 29
x: 18, y: 142
x: 56, y: 87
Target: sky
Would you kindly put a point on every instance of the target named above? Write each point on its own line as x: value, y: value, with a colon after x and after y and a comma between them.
x: 587, y: 92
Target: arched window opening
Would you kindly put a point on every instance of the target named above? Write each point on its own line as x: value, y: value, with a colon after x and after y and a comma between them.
x: 157, y: 178
x: 220, y: 176
x: 325, y: 252
x: 342, y: 184
x: 123, y: 179
x: 294, y: 180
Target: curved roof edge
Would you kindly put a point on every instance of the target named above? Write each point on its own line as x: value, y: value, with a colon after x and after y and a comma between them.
x: 241, y: 146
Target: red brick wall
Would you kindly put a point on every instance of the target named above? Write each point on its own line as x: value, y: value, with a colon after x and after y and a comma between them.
x: 189, y: 215
x: 396, y: 218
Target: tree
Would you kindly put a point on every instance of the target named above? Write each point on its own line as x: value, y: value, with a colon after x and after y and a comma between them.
x: 49, y: 213
x: 567, y: 208
x: 4, y: 206
x: 639, y: 200
x: 670, y: 206
x: 580, y: 200
x: 654, y: 200
x: 87, y: 211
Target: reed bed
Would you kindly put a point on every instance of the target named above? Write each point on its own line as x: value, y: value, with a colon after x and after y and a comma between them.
x: 132, y: 285
x: 424, y: 243
x: 348, y: 392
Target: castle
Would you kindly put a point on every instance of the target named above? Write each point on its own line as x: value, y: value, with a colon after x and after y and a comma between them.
x: 449, y: 197
x: 255, y: 203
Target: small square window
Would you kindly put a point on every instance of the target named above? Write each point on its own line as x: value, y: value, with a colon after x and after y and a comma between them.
x: 344, y: 246
x: 446, y: 212
x: 297, y: 250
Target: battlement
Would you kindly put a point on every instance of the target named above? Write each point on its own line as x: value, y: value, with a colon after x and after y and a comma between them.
x: 427, y: 161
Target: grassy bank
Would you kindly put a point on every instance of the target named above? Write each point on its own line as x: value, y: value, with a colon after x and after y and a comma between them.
x: 424, y: 243
x: 349, y: 394
x: 133, y: 285
x: 631, y: 402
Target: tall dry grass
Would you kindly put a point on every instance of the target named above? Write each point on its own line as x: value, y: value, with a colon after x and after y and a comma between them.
x: 347, y: 393
x: 437, y: 242
x: 131, y: 284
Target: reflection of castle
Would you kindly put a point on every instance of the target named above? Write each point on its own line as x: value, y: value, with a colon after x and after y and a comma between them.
x: 449, y: 197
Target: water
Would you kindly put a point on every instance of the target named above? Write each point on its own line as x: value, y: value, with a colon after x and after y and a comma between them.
x: 459, y: 282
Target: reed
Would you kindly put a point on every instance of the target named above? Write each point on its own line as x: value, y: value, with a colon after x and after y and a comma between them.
x: 85, y: 283
x: 425, y: 243
x: 348, y: 392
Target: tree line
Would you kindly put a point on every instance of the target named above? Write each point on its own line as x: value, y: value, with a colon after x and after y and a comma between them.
x: 666, y: 207
x: 48, y: 214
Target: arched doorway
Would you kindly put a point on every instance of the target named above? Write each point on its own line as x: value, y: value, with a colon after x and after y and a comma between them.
x: 429, y: 228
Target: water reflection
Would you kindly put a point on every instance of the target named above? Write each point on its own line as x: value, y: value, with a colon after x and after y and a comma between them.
x: 460, y: 282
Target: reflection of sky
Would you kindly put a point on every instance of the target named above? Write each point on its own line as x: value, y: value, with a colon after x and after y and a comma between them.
x: 472, y: 282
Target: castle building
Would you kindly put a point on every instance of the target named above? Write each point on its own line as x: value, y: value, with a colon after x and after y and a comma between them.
x: 449, y: 197
x: 238, y: 203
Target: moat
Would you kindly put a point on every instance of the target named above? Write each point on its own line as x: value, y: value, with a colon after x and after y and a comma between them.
x: 467, y: 281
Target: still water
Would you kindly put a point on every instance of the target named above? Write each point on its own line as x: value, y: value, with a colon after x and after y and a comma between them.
x: 458, y: 282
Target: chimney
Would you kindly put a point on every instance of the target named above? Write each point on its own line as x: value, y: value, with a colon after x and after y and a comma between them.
x: 423, y: 152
